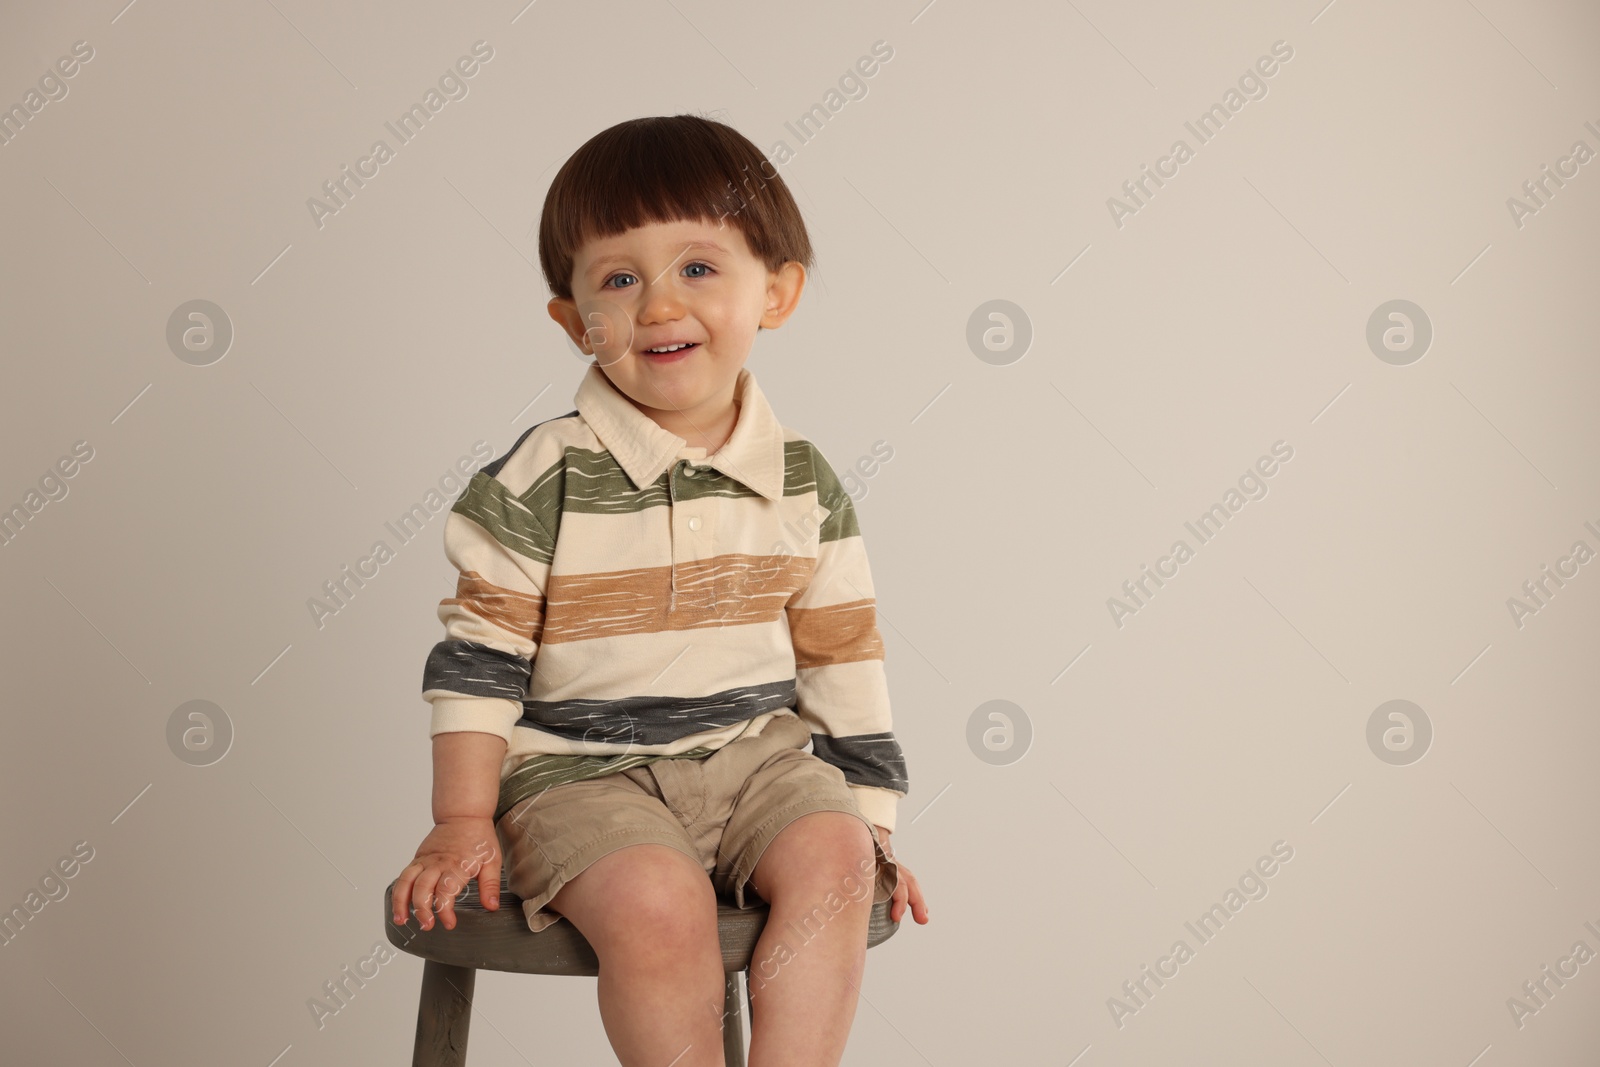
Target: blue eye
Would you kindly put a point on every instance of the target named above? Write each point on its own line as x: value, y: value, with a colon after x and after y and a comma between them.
x: 624, y: 274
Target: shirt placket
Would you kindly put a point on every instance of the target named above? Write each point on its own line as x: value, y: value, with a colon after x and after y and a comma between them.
x: 693, y: 529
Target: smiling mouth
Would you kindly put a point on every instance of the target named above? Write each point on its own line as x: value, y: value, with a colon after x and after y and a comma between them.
x: 681, y: 351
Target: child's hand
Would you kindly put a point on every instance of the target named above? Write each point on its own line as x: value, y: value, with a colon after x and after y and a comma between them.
x: 453, y: 853
x: 908, y: 892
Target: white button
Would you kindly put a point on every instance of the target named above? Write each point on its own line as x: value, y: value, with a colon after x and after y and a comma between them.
x: 694, y: 522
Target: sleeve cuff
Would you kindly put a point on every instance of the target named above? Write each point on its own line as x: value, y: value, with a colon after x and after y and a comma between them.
x: 877, y: 804
x: 487, y: 715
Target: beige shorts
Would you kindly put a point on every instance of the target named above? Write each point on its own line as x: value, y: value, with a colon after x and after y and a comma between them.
x: 722, y: 810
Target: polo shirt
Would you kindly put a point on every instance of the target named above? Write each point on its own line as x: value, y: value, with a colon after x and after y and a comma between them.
x: 623, y: 597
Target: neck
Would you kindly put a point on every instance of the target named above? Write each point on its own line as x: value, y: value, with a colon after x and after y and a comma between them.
x: 707, y: 427
x: 710, y: 435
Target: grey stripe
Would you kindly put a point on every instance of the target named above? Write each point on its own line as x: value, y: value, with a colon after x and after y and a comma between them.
x: 476, y: 670
x: 654, y: 720
x: 865, y: 759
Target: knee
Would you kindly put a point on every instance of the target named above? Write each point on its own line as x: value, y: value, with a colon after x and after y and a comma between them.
x: 662, y: 887
x: 651, y: 899
x: 855, y: 853
x: 831, y: 854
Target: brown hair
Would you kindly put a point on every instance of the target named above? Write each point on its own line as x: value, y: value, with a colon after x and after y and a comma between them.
x: 667, y: 169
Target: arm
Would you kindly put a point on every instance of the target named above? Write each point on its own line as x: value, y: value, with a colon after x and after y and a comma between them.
x: 842, y: 691
x: 463, y: 844
x: 476, y: 679
x: 466, y: 775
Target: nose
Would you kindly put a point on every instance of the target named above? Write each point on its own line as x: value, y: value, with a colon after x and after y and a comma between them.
x: 661, y: 303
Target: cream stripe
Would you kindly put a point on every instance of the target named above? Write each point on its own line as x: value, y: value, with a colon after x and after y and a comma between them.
x: 472, y: 548
x: 542, y: 450
x: 878, y: 805
x: 712, y: 659
x: 489, y: 715
x: 845, y: 563
x: 853, y: 696
x: 462, y: 624
x: 590, y: 543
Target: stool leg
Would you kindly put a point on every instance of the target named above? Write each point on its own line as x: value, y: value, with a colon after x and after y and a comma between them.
x: 443, y: 1015
x: 732, y: 1022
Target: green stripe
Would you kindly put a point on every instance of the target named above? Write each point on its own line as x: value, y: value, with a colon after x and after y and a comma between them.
x: 490, y: 504
x: 584, y: 480
x: 538, y: 773
x: 799, y: 468
x: 841, y: 521
x: 590, y: 482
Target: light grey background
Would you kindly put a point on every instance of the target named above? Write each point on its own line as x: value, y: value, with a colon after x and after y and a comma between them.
x: 1168, y: 354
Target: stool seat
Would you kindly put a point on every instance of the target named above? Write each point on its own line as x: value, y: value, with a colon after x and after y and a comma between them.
x: 500, y: 940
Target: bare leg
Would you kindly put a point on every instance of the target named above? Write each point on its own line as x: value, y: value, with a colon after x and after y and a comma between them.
x: 807, y: 966
x: 651, y: 914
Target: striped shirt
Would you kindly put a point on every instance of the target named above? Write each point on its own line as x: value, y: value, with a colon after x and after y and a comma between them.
x: 623, y: 597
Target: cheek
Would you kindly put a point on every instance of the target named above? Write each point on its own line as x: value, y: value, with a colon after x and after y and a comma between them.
x: 738, y: 333
x: 742, y: 318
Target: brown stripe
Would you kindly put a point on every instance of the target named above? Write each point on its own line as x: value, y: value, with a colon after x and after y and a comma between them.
x: 839, y: 633
x: 508, y: 609
x: 733, y: 589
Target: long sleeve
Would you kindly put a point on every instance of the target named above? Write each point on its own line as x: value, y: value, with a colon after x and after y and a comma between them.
x: 477, y: 677
x: 842, y: 691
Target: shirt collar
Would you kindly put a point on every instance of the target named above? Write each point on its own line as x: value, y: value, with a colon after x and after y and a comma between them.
x: 753, y: 455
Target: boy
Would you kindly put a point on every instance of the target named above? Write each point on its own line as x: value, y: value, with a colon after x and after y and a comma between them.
x: 663, y: 597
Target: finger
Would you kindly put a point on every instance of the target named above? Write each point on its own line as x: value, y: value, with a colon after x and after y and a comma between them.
x: 908, y: 882
x: 458, y: 889
x: 474, y: 867
x: 489, y: 883
x: 401, y: 899
x: 919, y: 906
x: 444, y: 901
x: 422, y: 897
x: 902, y: 892
x: 406, y: 892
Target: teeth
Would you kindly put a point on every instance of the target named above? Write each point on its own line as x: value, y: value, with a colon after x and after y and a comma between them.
x: 668, y: 348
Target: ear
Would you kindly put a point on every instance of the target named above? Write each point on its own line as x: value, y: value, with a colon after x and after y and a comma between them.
x: 564, y: 310
x: 783, y: 294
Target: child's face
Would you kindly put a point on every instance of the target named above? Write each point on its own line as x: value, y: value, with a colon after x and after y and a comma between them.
x: 663, y: 283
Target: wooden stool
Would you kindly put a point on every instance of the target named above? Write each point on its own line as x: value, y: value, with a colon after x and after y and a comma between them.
x: 501, y: 941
